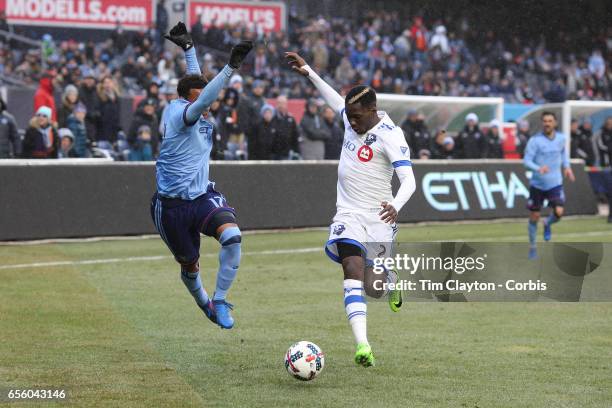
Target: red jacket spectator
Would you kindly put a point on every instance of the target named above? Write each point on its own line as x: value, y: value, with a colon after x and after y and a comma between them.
x: 418, y: 33
x: 44, y: 96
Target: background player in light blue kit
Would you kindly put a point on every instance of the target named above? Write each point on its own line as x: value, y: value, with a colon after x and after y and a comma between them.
x: 546, y: 155
x: 186, y: 202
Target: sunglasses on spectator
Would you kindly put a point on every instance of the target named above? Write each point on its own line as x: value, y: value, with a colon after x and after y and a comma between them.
x: 42, y: 115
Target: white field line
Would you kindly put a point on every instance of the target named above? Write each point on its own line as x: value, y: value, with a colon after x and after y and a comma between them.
x: 272, y: 231
x: 275, y: 251
x: 523, y: 238
x: 150, y: 258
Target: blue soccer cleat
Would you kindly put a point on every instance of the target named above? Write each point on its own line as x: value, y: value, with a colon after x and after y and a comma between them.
x: 209, y: 311
x: 224, y: 317
x: 533, y: 252
x: 547, y: 231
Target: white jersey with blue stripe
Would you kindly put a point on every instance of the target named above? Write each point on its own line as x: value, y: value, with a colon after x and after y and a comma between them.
x: 367, y: 163
x: 182, y: 166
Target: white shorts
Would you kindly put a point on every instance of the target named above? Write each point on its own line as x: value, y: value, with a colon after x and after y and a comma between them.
x: 366, y: 230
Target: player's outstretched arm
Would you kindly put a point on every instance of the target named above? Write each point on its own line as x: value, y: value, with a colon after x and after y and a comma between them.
x: 179, y: 36
x: 212, y: 89
x: 332, y: 98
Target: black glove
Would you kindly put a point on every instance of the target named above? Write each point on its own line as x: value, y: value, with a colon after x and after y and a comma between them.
x: 180, y: 36
x: 239, y: 53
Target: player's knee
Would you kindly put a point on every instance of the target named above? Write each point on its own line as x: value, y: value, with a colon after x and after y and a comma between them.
x: 353, y: 267
x: 534, y: 216
x: 559, y: 212
x: 231, y: 241
x: 189, y: 266
x: 230, y: 236
x: 219, y: 222
x: 372, y: 283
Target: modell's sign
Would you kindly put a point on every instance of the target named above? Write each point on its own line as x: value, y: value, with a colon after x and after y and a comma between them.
x: 132, y: 14
x: 268, y: 15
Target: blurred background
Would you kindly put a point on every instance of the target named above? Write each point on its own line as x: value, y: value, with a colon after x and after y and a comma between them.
x: 90, y: 79
x: 106, y: 61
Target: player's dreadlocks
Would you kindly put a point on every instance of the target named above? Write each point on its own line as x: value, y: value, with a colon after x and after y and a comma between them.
x: 362, y: 94
x: 190, y: 82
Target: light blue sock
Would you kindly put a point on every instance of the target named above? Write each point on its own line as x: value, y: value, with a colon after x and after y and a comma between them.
x: 532, y: 227
x: 194, y: 284
x: 229, y: 261
x: 552, y: 218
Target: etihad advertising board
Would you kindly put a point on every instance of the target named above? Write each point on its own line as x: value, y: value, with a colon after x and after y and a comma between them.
x: 96, y: 14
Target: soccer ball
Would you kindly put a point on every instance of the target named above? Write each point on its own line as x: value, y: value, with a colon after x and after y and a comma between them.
x: 304, y: 360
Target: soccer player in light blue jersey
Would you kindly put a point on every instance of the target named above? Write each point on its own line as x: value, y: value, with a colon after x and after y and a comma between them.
x: 546, y: 156
x: 186, y: 202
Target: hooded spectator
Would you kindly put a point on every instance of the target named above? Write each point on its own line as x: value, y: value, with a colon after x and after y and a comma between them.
x: 262, y: 144
x: 581, y: 145
x: 70, y: 97
x: 41, y: 140
x: 153, y: 94
x: 66, y: 149
x: 314, y: 133
x: 76, y: 124
x: 604, y: 143
x: 10, y: 143
x: 333, y: 145
x: 417, y: 135
x: 470, y: 142
x: 143, y: 135
x: 44, y: 95
x: 108, y: 122
x: 522, y: 137
x: 88, y: 94
x: 493, y: 146
x: 287, y: 143
x: 444, y: 146
x: 232, y: 135
x: 440, y: 40
x: 169, y: 93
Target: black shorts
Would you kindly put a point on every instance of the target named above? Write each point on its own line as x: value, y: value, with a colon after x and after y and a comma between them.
x: 180, y: 222
x: 555, y: 197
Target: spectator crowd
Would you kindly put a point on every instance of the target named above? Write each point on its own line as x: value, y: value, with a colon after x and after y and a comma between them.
x: 394, y: 55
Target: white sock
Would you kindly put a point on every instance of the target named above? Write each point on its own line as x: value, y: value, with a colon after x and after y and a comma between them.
x: 356, y: 309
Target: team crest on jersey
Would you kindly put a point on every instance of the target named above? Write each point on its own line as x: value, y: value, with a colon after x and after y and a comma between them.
x: 404, y: 149
x: 369, y: 139
x: 339, y: 229
x: 365, y: 153
x: 204, y: 127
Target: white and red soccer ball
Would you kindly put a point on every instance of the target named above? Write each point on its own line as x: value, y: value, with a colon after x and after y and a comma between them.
x: 304, y: 360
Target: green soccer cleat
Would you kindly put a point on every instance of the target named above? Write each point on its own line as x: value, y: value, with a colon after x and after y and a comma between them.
x: 395, y: 300
x: 364, y: 355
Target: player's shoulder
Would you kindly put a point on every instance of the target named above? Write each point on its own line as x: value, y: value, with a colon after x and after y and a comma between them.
x: 561, y: 135
x: 387, y: 129
x: 177, y: 105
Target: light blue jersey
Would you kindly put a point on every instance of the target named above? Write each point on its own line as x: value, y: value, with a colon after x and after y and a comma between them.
x: 542, y: 151
x: 182, y: 166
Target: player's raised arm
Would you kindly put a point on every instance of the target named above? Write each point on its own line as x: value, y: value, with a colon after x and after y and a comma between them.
x: 211, y: 91
x: 179, y: 36
x: 328, y: 93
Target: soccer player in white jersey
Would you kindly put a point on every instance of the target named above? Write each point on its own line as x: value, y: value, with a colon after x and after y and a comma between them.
x: 373, y: 148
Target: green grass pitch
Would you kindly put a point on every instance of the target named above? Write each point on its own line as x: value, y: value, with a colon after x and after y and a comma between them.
x: 121, y: 332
